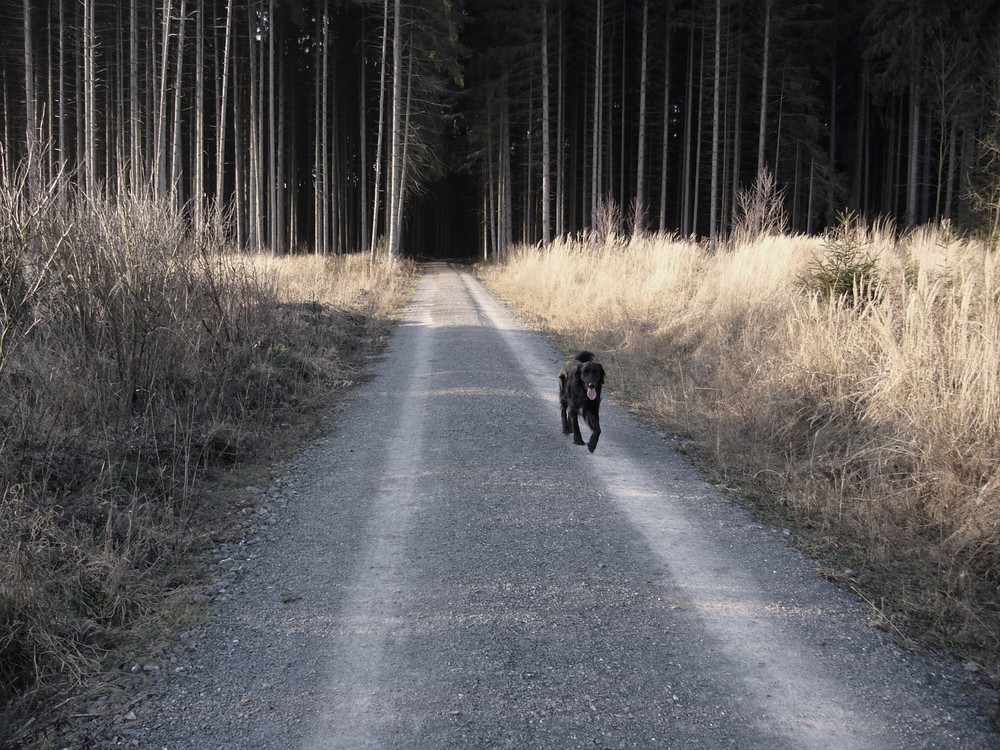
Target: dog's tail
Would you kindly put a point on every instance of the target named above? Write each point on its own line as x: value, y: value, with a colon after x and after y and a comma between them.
x: 585, y: 357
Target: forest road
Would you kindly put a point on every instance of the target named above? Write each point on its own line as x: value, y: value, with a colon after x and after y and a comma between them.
x: 450, y: 571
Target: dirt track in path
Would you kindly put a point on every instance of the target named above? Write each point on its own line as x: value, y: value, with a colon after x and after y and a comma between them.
x: 447, y: 570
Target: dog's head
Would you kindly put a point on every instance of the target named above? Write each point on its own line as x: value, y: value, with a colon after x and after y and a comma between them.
x: 591, y: 376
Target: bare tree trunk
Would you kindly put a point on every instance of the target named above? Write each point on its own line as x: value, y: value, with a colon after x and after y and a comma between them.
x: 220, y: 137
x: 381, y: 129
x: 737, y: 137
x: 395, y: 158
x: 664, y: 161
x: 30, y: 135
x: 278, y: 218
x: 762, y: 130
x: 485, y: 238
x: 914, y: 156
x: 952, y: 154
x: 688, y: 138
x: 546, y: 145
x: 527, y: 205
x: 198, y: 189
x: 89, y: 101
x: 777, y: 138
x: 698, y: 131
x: 508, y: 198
x: 560, y: 138
x: 713, y: 221
x: 176, y: 155
x: 640, y: 166
x: 812, y: 190
x: 596, y: 154
x: 240, y: 190
x: 491, y: 184
x: 135, y: 117
x: 272, y: 135
x: 61, y: 138
x: 318, y: 157
x: 796, y: 183
x: 255, y: 207
x: 622, y: 160
x: 363, y: 154
x: 403, y: 170
x: 160, y: 118
x: 321, y: 148
x: 48, y: 114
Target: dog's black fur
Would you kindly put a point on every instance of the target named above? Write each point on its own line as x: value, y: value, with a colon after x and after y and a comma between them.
x: 580, y: 383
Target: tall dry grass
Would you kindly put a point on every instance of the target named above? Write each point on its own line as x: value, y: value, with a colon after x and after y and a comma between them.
x: 869, y: 420
x: 138, y: 359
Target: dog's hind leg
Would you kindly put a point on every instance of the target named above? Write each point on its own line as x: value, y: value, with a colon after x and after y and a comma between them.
x: 566, y: 426
x: 563, y: 406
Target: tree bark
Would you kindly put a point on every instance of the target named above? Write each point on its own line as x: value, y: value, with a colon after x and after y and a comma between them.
x: 912, y: 180
x: 665, y: 158
x: 198, y: 189
x: 395, y: 157
x: 713, y: 228
x: 176, y: 154
x: 220, y: 131
x: 160, y: 117
x: 272, y: 133
x: 762, y: 130
x: 135, y: 116
x: 688, y: 138
x: 638, y: 220
x: 546, y: 145
x: 89, y: 102
x: 30, y: 138
x: 381, y: 129
x: 596, y: 154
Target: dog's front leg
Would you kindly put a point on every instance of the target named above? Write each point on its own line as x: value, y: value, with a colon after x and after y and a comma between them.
x: 575, y: 419
x: 593, y: 419
x: 595, y: 425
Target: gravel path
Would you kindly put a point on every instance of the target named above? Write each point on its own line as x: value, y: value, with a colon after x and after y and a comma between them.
x: 444, y: 569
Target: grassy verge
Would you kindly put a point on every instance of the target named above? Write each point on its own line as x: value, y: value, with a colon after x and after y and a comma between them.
x: 139, y: 364
x: 848, y: 386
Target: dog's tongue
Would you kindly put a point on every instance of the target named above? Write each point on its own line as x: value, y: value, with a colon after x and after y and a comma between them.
x: 591, y: 394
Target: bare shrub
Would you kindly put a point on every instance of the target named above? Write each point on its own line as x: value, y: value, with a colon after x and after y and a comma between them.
x: 139, y: 357
x: 760, y: 210
x: 983, y: 190
x: 24, y: 259
x: 607, y: 221
x: 638, y: 217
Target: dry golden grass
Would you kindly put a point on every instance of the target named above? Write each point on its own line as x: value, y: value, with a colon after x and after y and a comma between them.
x: 873, y: 427
x: 139, y: 361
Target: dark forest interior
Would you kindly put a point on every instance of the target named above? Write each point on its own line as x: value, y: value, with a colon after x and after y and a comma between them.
x: 466, y: 127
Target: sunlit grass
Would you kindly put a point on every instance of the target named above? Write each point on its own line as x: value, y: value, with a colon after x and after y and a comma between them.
x: 873, y: 424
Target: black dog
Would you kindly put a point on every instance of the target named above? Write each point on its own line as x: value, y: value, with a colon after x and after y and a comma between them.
x: 580, y: 394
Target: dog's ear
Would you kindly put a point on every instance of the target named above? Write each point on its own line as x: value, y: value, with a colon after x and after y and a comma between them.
x: 601, y: 368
